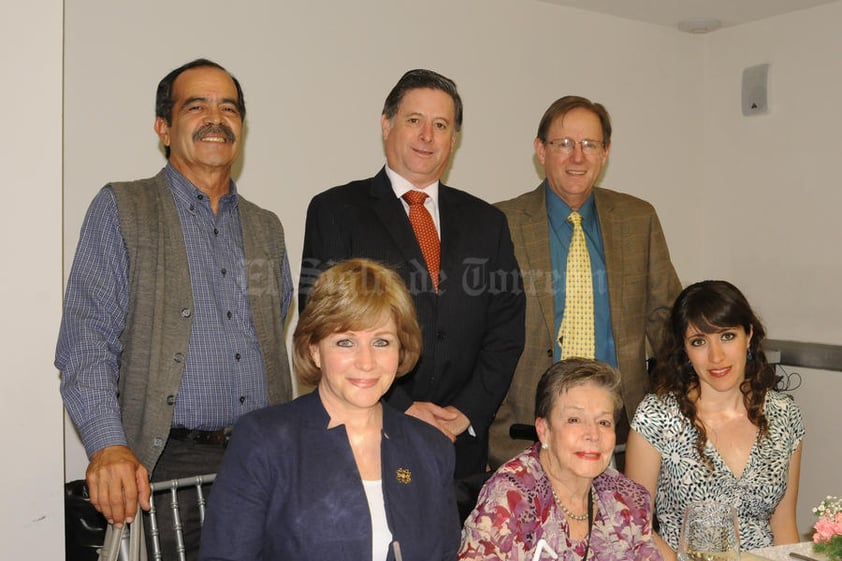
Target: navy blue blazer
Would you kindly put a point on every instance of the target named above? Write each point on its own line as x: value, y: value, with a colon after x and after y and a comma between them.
x: 288, y: 489
x: 473, y: 327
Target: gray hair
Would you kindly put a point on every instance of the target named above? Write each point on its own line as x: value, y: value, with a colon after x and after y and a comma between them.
x: 571, y: 373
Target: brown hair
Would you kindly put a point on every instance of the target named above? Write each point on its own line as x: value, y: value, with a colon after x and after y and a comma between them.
x: 353, y: 295
x: 418, y: 79
x: 564, y: 105
x: 710, y: 306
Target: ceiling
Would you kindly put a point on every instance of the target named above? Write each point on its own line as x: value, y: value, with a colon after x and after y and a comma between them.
x: 671, y: 12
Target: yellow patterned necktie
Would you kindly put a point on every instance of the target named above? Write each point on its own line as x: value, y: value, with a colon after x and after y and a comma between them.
x: 576, y: 333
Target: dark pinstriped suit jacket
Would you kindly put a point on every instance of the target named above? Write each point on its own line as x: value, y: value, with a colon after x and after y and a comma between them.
x: 473, y: 328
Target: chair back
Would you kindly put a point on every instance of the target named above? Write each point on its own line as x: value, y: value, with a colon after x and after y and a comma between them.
x: 127, y: 543
x: 173, y: 486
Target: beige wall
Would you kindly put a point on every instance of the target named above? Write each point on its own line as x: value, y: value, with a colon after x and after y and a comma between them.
x: 315, y: 75
x: 31, y: 476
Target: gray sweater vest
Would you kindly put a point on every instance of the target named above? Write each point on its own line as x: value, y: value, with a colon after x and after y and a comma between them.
x: 159, y: 319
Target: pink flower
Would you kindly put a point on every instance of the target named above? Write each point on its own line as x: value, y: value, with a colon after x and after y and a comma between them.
x: 824, y: 531
x: 827, y: 527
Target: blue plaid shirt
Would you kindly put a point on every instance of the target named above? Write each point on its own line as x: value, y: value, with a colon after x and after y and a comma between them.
x: 224, y: 374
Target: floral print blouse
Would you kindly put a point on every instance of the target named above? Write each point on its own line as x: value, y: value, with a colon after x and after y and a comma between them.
x: 685, y: 477
x: 516, y: 514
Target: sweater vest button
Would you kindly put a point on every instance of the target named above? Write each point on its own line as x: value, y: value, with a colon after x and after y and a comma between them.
x: 178, y: 357
x: 186, y: 313
x: 170, y: 400
x: 158, y: 442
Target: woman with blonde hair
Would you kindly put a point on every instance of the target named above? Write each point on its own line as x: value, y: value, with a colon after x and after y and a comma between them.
x: 337, y: 474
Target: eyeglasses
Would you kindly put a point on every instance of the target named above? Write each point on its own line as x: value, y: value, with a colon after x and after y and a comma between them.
x: 568, y: 145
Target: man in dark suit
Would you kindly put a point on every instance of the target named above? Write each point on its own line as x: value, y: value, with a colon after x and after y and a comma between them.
x: 633, y: 281
x: 467, y: 288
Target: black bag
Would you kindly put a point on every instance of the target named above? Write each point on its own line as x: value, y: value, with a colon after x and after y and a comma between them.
x: 84, y: 527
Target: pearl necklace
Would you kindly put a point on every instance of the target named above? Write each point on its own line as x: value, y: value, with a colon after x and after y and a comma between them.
x: 579, y: 517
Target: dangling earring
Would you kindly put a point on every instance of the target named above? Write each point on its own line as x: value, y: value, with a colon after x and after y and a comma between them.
x: 749, y: 355
x: 545, y: 446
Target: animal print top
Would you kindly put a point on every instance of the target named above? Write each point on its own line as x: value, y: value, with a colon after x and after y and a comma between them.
x: 684, y: 477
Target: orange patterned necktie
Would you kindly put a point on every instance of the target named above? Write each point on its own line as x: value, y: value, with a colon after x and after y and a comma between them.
x: 576, y: 334
x: 425, y: 231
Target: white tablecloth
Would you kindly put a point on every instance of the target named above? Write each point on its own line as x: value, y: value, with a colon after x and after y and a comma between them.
x: 781, y: 552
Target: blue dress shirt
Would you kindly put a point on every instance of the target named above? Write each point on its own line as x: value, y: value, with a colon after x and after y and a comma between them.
x: 561, y: 231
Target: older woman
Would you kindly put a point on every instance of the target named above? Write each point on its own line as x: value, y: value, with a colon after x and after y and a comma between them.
x: 336, y: 474
x: 715, y: 428
x: 559, y: 499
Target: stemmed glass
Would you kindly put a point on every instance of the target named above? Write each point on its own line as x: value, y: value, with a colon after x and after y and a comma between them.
x: 710, y: 532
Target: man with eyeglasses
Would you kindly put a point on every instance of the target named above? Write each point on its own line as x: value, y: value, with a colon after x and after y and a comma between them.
x: 632, y: 280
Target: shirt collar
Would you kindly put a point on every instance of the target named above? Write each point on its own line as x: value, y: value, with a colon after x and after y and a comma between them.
x: 557, y: 208
x: 186, y: 192
x: 400, y: 186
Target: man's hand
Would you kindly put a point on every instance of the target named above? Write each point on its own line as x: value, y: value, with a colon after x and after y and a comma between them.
x: 456, y: 421
x: 448, y: 420
x: 117, y: 481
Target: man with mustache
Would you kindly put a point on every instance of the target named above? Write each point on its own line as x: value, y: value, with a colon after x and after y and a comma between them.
x: 175, y: 306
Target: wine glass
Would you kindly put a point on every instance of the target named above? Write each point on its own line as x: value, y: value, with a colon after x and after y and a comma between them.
x: 710, y: 532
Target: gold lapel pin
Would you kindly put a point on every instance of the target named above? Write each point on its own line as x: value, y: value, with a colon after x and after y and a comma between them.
x: 403, y: 475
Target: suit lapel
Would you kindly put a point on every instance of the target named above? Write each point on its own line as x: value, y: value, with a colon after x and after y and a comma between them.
x: 389, y: 210
x: 535, y: 232
x: 451, y: 224
x: 611, y: 228
x: 392, y: 215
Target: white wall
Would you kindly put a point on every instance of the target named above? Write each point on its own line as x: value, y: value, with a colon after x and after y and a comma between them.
x: 31, y: 476
x: 315, y: 79
x: 768, y: 215
x: 315, y: 76
x: 771, y: 201
x: 818, y: 396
